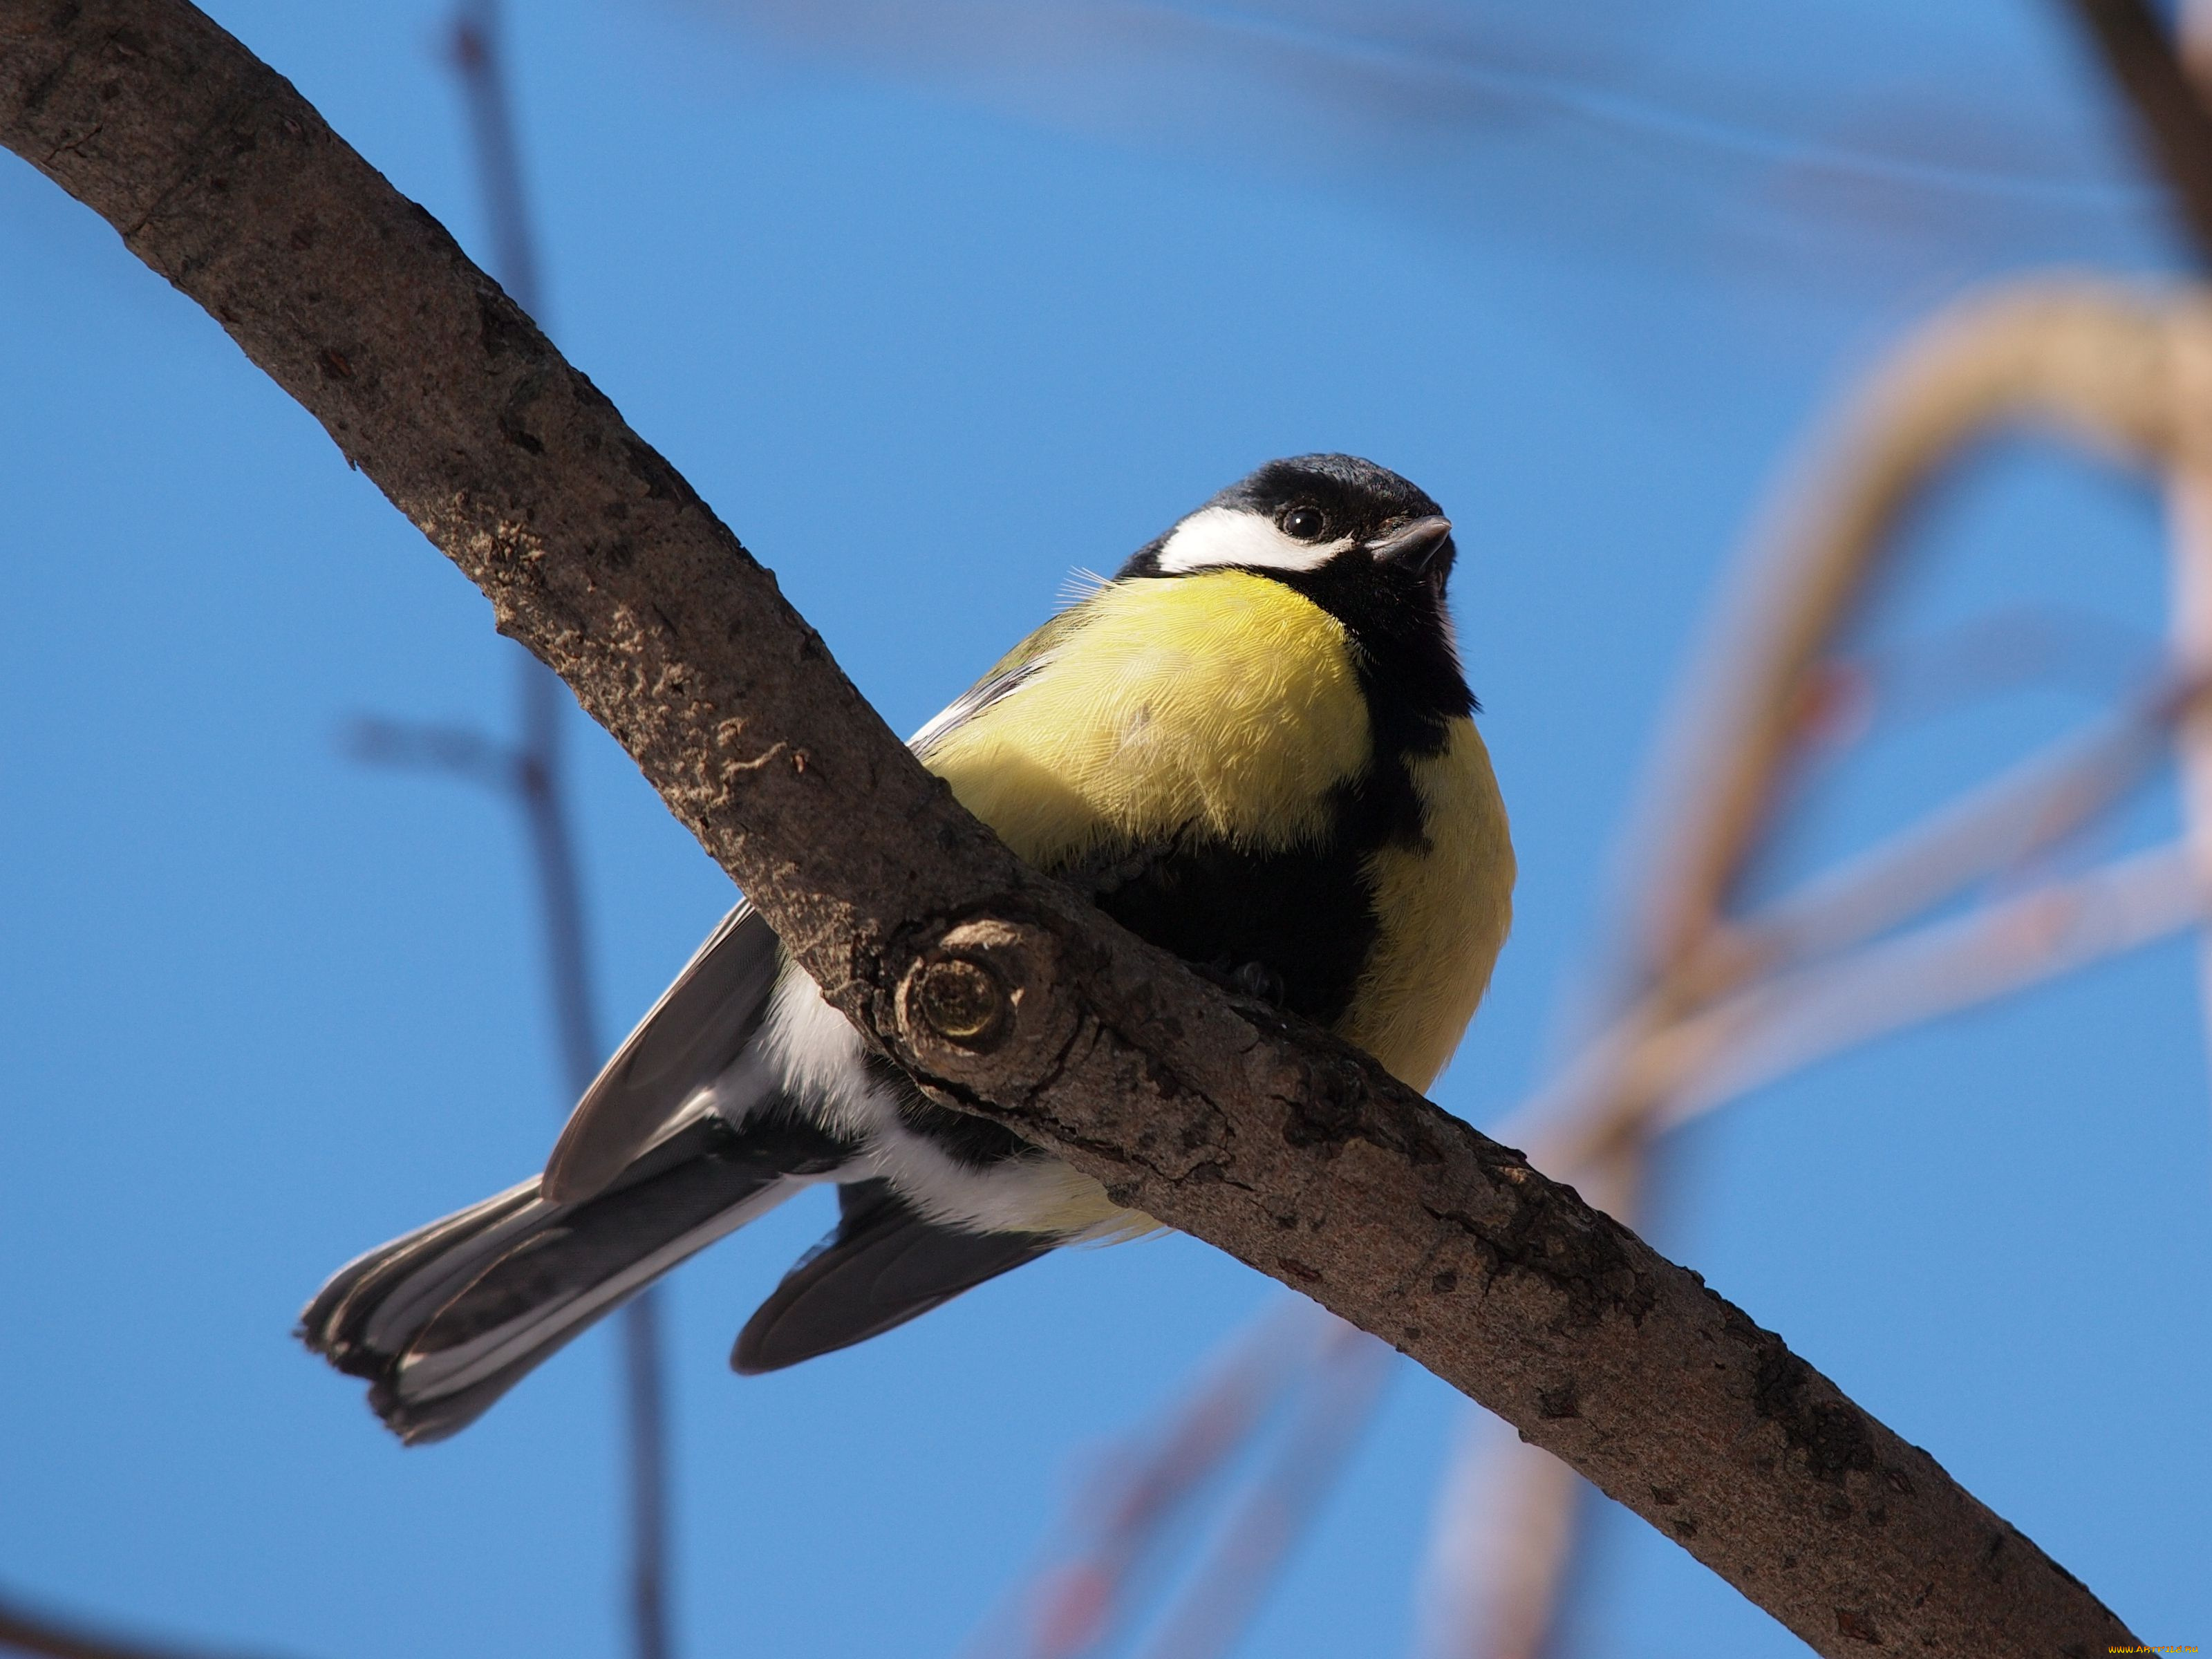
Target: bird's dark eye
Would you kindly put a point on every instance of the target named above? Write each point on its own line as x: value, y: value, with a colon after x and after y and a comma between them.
x: 1305, y: 523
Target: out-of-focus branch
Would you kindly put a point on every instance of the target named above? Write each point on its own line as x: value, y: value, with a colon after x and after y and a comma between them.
x: 1124, y: 1517
x: 1338, y: 1400
x: 479, y: 43
x: 1268, y: 1138
x: 529, y: 776
x: 24, y: 1631
x: 1720, y: 1001
x: 1502, y: 1548
x: 2189, y: 502
x: 2177, y: 128
x: 479, y: 55
x: 1997, y: 950
x: 2010, y: 648
x: 1636, y: 1079
x: 458, y: 751
x: 1127, y: 1521
x: 1722, y: 1004
x: 1991, y: 832
x: 2085, y: 361
x: 2096, y: 365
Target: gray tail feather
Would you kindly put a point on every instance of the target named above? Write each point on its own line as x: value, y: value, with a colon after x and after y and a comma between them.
x: 445, y: 1321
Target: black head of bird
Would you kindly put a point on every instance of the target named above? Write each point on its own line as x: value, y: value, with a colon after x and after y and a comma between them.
x: 1311, y: 512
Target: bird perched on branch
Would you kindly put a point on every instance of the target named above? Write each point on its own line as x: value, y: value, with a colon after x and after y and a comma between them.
x: 1252, y: 747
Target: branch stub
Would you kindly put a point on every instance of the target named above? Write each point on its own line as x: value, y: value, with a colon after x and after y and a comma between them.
x: 977, y: 992
x: 964, y: 1001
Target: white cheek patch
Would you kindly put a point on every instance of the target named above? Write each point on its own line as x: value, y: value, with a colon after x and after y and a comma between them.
x: 1225, y: 535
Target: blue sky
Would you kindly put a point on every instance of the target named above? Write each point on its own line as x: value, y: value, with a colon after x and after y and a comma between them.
x: 929, y: 333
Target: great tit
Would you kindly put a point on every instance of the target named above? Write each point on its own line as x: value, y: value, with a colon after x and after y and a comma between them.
x: 1251, y: 747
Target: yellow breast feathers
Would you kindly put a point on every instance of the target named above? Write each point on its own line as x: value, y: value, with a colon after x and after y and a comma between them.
x: 1224, y: 703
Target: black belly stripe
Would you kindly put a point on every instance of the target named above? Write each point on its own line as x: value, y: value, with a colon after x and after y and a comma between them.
x: 1304, y: 915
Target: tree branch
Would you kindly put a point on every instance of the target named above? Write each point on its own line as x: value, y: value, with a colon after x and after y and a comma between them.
x: 1267, y: 1138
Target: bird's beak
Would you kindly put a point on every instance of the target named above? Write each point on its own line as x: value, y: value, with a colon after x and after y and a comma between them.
x: 1414, y: 547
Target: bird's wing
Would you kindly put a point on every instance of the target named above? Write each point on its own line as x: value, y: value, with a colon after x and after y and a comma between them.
x: 701, y: 1025
x: 884, y: 1264
x: 1008, y: 675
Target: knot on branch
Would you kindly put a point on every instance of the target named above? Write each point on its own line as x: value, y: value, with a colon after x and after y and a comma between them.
x: 977, y: 1007
x: 964, y: 1001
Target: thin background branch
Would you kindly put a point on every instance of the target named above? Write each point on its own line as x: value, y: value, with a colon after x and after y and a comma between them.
x: 1144, y: 1492
x: 2140, y: 55
x: 1337, y: 1401
x: 532, y: 773
x: 1719, y: 1050
x: 1720, y: 1003
x: 1126, y: 1523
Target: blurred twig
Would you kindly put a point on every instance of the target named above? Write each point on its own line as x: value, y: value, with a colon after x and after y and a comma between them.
x: 2189, y: 503
x: 2014, y: 647
x: 531, y: 774
x: 1719, y: 997
x: 479, y: 56
x: 2142, y: 58
x: 23, y: 1631
x: 1338, y: 1400
x: 1124, y: 1522
x: 1122, y: 1519
x: 2001, y: 947
x: 1720, y: 1005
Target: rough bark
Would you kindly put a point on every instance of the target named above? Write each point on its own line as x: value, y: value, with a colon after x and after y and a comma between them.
x: 1267, y: 1138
